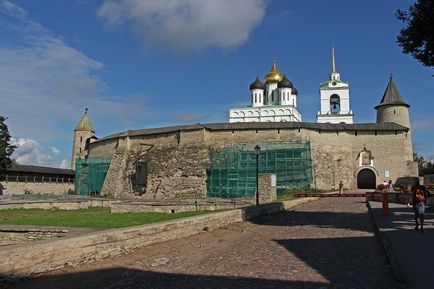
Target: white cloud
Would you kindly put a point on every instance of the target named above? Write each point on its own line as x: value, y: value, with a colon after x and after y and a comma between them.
x: 54, y: 150
x: 186, y: 25
x: 64, y: 164
x: 29, y: 152
x: 46, y: 84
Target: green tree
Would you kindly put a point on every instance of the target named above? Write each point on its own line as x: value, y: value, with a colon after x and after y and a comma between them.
x: 425, y: 167
x: 417, y: 37
x: 6, y: 149
x: 420, y: 161
x: 429, y: 168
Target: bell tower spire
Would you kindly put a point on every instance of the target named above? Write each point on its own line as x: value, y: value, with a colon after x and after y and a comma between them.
x: 334, y: 98
x: 333, y: 60
x: 334, y: 75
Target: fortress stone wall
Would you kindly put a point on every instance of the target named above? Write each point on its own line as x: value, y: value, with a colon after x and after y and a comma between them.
x: 176, y: 158
x: 20, y: 188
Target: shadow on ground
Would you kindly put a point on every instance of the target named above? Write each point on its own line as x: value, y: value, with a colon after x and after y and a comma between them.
x: 340, y: 220
x: 124, y: 278
x: 354, y: 262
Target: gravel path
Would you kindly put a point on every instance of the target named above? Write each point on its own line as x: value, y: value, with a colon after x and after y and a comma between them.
x: 323, y: 244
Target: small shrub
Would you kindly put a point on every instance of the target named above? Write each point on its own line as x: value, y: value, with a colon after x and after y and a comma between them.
x: 70, y: 192
x: 27, y: 191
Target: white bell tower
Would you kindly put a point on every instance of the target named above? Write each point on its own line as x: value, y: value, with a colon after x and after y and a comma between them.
x: 335, y: 98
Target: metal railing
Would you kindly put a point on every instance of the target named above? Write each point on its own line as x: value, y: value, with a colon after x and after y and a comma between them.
x: 36, y: 179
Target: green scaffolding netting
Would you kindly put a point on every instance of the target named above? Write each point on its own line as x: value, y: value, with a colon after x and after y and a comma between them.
x: 232, y: 173
x: 90, y: 175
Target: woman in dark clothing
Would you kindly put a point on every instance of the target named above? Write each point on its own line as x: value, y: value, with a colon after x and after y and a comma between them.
x: 417, y: 198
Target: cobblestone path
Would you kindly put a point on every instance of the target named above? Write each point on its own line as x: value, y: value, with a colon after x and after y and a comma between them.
x: 323, y: 244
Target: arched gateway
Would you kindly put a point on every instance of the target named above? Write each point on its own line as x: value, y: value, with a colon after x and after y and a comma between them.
x: 366, y: 179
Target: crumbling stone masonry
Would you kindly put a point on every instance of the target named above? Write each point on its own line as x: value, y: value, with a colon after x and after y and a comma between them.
x: 174, y: 160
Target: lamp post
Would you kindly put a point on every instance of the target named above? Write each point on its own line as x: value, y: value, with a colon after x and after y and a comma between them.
x: 314, y: 177
x: 333, y: 185
x: 257, y: 153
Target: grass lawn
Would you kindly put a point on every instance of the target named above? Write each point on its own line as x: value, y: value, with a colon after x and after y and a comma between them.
x: 92, y: 218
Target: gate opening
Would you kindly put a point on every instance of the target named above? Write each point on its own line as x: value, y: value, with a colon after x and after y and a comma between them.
x: 366, y: 179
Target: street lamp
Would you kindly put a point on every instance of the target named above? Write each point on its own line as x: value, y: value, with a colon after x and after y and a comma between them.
x: 257, y: 153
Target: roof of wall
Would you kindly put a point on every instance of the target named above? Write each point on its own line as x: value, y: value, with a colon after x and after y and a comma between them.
x: 262, y: 125
x: 38, y: 169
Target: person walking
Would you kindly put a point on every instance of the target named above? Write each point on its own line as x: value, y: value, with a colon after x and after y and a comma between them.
x: 1, y: 189
x: 417, y: 199
x: 341, y: 187
x: 389, y: 187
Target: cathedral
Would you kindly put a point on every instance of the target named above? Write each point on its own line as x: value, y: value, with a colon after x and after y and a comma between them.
x: 218, y: 159
x: 276, y: 100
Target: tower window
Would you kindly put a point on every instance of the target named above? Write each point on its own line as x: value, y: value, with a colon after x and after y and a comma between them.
x: 394, y: 111
x: 256, y: 97
x: 81, y: 138
x: 335, y: 104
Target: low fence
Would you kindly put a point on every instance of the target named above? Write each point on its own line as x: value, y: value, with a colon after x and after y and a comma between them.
x: 36, y: 179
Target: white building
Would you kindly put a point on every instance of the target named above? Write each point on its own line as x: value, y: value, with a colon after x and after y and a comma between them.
x: 335, y: 99
x: 275, y: 101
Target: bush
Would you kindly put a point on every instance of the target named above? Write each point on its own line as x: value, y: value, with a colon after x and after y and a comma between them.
x: 71, y: 192
x: 27, y: 191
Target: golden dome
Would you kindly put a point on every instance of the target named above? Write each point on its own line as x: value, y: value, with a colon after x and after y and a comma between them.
x: 274, y: 75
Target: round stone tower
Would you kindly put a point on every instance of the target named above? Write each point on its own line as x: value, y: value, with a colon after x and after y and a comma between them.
x: 83, y: 132
x: 393, y: 108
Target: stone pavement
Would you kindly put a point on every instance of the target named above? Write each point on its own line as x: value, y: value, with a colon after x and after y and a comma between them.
x: 410, y: 251
x: 324, y: 244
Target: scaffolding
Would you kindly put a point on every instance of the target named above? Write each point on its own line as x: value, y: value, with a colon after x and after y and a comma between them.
x: 90, y: 175
x: 232, y: 173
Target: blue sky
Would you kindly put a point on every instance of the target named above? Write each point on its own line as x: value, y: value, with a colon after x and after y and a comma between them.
x: 144, y: 63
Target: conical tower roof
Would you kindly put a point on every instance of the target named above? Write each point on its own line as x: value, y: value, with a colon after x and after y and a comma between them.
x: 84, y: 124
x: 392, y: 96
